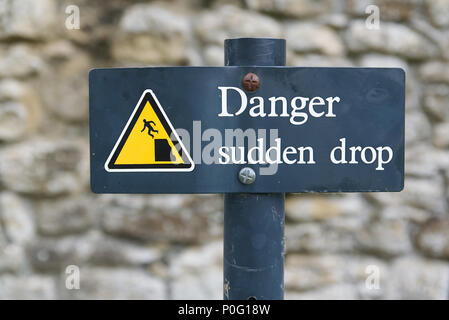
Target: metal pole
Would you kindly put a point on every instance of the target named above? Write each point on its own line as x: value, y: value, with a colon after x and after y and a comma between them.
x: 254, y: 223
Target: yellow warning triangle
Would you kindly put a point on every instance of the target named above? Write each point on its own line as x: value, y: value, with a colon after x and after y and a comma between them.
x: 149, y: 142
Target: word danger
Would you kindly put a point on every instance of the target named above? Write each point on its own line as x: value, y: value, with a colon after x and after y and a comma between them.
x: 278, y: 106
x: 304, y: 155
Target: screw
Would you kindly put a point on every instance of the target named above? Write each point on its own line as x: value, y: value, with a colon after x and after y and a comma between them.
x: 251, y: 82
x: 247, y: 175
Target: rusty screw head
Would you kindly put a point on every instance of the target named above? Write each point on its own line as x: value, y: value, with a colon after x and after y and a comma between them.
x: 251, y: 82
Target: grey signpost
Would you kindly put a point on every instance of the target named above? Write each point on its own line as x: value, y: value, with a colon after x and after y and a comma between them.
x: 254, y: 222
x: 177, y: 129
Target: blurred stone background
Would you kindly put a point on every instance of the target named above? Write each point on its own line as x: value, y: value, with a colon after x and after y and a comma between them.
x: 170, y: 246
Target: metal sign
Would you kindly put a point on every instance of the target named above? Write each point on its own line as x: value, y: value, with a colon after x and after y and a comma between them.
x: 246, y: 129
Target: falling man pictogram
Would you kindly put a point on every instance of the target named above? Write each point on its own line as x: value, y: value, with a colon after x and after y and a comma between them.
x: 149, y: 125
x: 134, y: 150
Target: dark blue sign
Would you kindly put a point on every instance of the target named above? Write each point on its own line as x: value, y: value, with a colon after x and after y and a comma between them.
x: 194, y: 130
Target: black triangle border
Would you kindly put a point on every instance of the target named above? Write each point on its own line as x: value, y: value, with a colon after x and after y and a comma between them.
x: 110, y: 165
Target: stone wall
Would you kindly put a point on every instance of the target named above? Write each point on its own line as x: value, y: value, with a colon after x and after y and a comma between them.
x: 170, y: 246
